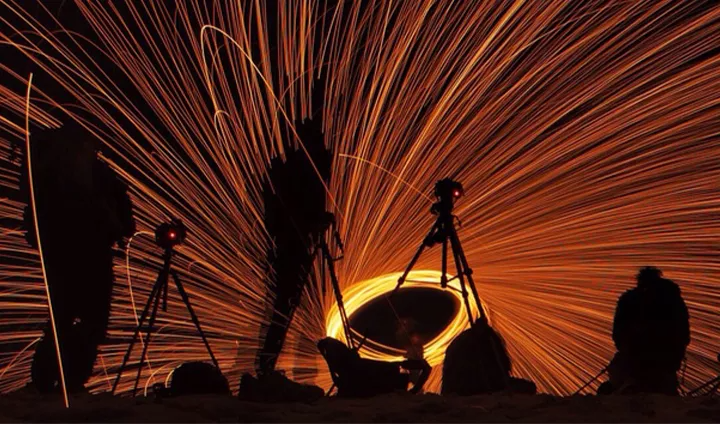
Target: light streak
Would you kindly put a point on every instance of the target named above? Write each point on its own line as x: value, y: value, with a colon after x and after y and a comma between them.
x: 31, y: 187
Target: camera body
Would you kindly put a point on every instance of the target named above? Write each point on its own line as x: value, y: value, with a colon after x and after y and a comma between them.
x: 446, y: 191
x: 170, y: 234
x: 448, y: 188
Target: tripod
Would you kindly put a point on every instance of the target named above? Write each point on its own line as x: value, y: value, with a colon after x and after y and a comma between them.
x: 443, y: 231
x: 158, y: 292
x: 329, y: 261
x: 591, y: 381
x: 709, y: 388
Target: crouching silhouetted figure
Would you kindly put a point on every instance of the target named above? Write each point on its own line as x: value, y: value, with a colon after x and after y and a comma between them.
x: 359, y: 377
x: 651, y: 332
x: 477, y: 362
x: 193, y: 378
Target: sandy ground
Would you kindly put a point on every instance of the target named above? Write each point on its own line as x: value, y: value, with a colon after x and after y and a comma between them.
x: 29, y: 407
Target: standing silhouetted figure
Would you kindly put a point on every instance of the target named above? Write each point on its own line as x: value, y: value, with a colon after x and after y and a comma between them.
x: 294, y: 199
x: 477, y: 362
x: 651, y: 332
x: 83, y: 210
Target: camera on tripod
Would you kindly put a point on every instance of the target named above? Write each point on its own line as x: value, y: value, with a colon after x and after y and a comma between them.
x: 167, y: 235
x: 170, y: 234
x: 443, y: 232
x: 446, y: 191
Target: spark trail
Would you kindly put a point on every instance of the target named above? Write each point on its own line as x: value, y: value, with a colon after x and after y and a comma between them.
x: 585, y: 134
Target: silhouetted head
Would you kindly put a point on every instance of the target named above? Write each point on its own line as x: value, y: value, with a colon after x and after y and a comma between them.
x: 648, y: 275
x: 405, y: 330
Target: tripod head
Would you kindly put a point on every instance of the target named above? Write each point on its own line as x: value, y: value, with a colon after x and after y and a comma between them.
x: 328, y: 223
x: 167, y: 235
x: 170, y: 234
x: 447, y: 192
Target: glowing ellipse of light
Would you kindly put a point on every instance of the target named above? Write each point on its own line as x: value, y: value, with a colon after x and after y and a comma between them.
x: 366, y: 291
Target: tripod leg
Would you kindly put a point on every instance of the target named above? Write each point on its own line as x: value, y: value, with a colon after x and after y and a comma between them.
x: 591, y: 381
x: 343, y: 315
x: 463, y: 287
x: 143, y: 316
x: 465, y: 271
x: 401, y: 280
x: 409, y: 268
x: 443, y: 277
x: 458, y: 250
x: 148, y: 333
x: 322, y: 273
x: 710, y: 383
x: 329, y: 261
x: 164, y: 295
x: 194, y: 317
x: 714, y: 388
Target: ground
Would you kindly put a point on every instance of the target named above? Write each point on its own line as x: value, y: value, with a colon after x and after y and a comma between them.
x: 30, y: 407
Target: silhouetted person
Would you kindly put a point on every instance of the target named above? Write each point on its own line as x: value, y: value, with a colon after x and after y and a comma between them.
x: 651, y: 332
x: 477, y: 362
x: 359, y: 377
x: 83, y: 210
x: 295, y: 210
x: 412, y: 344
x: 294, y: 199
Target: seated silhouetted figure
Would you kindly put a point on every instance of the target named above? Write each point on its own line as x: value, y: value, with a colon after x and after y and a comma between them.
x: 651, y: 332
x: 83, y: 210
x: 411, y: 342
x: 359, y: 377
x: 477, y: 362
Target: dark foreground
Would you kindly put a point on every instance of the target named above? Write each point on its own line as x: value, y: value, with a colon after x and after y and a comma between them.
x: 28, y: 407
